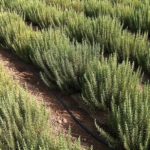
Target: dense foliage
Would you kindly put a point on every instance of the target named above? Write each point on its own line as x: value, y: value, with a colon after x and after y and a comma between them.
x: 106, y: 80
x: 71, y: 50
x: 105, y: 30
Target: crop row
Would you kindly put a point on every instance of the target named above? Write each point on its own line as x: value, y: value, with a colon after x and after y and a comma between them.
x: 67, y: 4
x: 78, y: 68
x: 24, y: 124
x: 104, y: 30
x: 134, y: 15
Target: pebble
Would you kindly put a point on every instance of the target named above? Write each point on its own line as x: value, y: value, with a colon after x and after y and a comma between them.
x: 65, y: 120
x: 60, y: 121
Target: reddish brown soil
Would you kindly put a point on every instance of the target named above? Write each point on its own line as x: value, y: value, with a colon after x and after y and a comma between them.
x: 28, y: 75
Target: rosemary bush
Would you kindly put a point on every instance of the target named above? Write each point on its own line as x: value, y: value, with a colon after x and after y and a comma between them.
x: 135, y: 16
x: 38, y: 13
x: 105, y: 80
x: 15, y: 35
x: 76, y: 5
x: 62, y: 62
x: 129, y: 122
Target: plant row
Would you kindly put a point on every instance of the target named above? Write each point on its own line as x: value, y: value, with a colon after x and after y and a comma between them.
x: 78, y: 68
x: 104, y: 30
x: 24, y: 124
x: 134, y: 15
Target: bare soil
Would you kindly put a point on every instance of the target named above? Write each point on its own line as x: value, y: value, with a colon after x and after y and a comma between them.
x: 28, y: 75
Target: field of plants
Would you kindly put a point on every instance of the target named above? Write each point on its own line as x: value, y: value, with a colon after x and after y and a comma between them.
x: 97, y: 49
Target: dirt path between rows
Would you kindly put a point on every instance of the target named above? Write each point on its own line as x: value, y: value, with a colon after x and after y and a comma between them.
x: 28, y: 75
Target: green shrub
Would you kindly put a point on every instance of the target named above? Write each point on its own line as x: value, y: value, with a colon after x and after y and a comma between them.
x: 62, y: 62
x: 103, y: 30
x: 133, y: 15
x: 95, y: 8
x: 76, y: 5
x: 38, y: 13
x: 105, y: 80
x: 15, y: 35
x: 129, y: 122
